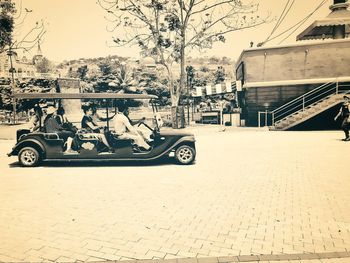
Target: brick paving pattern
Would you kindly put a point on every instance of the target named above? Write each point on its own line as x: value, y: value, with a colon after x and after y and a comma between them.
x: 249, y: 194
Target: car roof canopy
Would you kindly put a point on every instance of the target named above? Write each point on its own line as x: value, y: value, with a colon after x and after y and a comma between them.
x: 82, y: 96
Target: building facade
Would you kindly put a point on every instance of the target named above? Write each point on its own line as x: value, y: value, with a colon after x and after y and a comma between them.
x: 272, y: 77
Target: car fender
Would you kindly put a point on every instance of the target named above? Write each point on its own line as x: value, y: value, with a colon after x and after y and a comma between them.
x: 25, y: 143
x: 189, y: 139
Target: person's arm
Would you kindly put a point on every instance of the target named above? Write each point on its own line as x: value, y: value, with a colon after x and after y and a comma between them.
x: 133, y: 123
x: 65, y: 119
x: 129, y: 126
x: 100, y: 118
x: 35, y: 123
x: 91, y: 125
x: 339, y: 113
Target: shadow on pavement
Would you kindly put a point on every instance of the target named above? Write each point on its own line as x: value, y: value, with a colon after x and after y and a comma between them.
x: 104, y: 163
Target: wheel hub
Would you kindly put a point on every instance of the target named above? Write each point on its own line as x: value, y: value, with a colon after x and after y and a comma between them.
x: 185, y: 155
x: 28, y: 157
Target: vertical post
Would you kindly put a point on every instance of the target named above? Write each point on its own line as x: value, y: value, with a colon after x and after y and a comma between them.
x: 259, y: 119
x: 10, y: 54
x: 337, y: 88
x: 273, y: 118
x: 188, y: 101
x: 265, y: 117
x: 107, y: 115
x: 221, y: 113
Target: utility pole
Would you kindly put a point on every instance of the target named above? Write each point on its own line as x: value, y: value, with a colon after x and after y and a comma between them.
x: 190, y: 75
x: 188, y: 100
x: 10, y: 53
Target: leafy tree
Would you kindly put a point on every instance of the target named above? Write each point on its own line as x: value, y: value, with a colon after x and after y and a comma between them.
x: 44, y: 65
x: 125, y: 80
x: 219, y: 75
x: 82, y: 72
x: 202, y: 77
x: 7, y: 10
x: 167, y: 29
x: 106, y: 68
x: 155, y: 84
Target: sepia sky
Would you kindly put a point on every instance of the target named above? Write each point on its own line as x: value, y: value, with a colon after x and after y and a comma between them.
x: 77, y: 28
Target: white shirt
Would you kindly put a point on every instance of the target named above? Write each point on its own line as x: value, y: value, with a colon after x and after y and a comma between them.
x: 122, y: 124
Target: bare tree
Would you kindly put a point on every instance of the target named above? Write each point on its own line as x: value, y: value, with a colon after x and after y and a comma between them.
x: 16, y: 18
x: 166, y: 29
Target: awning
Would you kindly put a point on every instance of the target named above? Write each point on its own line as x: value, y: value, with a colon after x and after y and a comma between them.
x: 324, y: 28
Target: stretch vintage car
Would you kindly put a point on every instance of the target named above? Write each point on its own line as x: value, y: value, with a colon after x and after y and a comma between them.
x: 34, y: 147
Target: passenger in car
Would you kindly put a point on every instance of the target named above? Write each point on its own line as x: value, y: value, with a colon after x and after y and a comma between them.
x: 37, y: 119
x: 62, y: 120
x: 52, y: 126
x: 61, y: 116
x: 88, y: 124
x: 124, y: 130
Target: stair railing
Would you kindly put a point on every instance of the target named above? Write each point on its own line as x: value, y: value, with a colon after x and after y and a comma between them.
x: 302, y: 102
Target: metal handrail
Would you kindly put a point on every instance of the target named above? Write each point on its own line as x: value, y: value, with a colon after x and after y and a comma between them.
x: 300, y: 103
x: 305, y: 102
x: 304, y: 95
x: 308, y: 102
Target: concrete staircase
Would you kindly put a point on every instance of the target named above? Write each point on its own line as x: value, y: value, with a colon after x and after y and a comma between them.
x: 307, y: 113
x: 307, y: 106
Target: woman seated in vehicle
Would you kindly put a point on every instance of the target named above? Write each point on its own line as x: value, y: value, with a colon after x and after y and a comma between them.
x: 90, y: 126
x: 52, y: 126
x: 62, y: 120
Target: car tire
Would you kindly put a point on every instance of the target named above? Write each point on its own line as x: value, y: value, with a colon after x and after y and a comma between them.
x: 185, y: 154
x: 29, y: 157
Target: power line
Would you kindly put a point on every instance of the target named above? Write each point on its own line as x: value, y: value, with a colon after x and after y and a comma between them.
x: 304, y: 20
x: 300, y: 23
x: 281, y: 18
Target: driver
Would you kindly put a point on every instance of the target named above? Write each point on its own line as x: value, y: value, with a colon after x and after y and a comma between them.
x: 124, y: 129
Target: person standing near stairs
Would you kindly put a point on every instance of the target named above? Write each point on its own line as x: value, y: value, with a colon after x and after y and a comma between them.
x: 344, y: 113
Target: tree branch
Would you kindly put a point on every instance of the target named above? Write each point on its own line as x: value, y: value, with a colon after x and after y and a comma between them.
x: 212, y: 6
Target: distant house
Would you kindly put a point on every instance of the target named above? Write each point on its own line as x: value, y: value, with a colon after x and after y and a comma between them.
x: 23, y: 67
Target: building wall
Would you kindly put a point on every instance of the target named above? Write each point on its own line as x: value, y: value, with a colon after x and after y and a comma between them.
x: 301, y: 62
x: 306, y: 61
x: 269, y: 98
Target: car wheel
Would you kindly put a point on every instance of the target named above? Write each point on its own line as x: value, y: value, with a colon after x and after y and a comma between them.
x: 28, y: 157
x: 185, y: 154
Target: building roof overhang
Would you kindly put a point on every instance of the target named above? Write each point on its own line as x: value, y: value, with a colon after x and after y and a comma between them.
x: 297, y: 44
x: 324, y: 28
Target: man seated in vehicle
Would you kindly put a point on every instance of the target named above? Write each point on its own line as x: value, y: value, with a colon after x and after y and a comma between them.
x: 90, y: 126
x: 124, y: 130
x: 36, y: 119
x: 52, y: 126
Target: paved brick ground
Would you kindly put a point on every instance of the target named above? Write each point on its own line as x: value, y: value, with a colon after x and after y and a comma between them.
x: 250, y: 192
